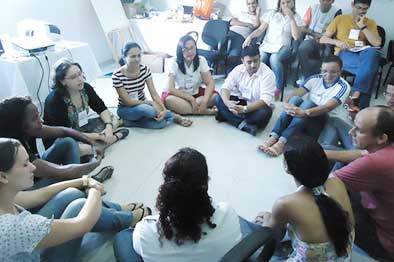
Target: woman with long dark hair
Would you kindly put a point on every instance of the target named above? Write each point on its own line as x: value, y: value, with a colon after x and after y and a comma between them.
x: 189, y: 226
x: 282, y: 26
x: 191, y: 88
x: 318, y: 215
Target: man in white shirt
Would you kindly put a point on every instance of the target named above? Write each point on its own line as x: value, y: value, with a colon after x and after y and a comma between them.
x: 316, y: 18
x: 247, y: 93
x: 326, y: 92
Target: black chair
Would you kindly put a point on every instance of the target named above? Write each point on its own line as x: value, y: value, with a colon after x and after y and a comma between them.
x: 248, y: 246
x: 215, y: 35
x: 390, y: 59
x: 382, y: 62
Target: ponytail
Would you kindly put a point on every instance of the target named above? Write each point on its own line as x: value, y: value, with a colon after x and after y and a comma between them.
x: 336, y: 221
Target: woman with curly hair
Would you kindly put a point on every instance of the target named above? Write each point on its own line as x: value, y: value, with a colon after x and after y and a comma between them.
x: 189, y: 226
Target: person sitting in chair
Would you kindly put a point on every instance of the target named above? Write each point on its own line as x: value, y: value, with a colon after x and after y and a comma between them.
x: 326, y: 92
x: 191, y: 88
x: 247, y: 93
x: 282, y: 25
x: 352, y: 31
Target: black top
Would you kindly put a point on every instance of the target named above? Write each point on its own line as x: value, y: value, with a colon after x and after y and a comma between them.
x: 55, y: 111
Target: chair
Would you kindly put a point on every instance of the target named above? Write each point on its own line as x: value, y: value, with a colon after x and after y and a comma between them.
x: 248, y: 246
x: 215, y: 35
x: 390, y: 59
x: 382, y: 62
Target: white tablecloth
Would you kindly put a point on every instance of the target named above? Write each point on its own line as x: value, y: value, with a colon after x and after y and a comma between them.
x: 21, y: 76
x: 162, y: 36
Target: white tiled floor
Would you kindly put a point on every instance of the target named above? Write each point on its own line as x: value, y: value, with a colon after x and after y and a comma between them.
x: 240, y: 175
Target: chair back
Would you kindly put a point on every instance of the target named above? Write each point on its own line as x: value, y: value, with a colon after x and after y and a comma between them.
x: 214, y: 34
x: 249, y: 245
x: 382, y: 34
x: 390, y: 51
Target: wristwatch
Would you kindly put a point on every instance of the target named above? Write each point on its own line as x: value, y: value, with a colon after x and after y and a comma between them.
x: 245, y: 109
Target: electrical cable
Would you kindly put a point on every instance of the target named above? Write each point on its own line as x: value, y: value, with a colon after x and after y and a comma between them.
x: 39, y: 86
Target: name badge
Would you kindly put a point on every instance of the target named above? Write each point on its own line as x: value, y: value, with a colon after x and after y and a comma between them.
x: 354, y: 34
x: 82, y: 118
x: 134, y: 95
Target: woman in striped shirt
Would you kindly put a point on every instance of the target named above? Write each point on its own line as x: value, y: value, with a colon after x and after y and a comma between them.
x: 129, y: 81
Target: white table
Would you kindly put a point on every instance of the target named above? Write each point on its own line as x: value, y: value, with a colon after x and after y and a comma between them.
x: 159, y: 35
x: 20, y: 76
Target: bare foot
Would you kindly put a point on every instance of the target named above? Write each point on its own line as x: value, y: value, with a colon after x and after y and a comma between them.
x: 276, y: 149
x: 210, y: 111
x: 183, y: 121
x: 267, y: 143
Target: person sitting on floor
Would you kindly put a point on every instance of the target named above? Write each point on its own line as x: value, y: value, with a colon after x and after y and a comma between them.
x: 63, y: 214
x: 68, y: 105
x: 189, y: 226
x: 247, y: 93
x: 317, y: 17
x: 191, y: 88
x: 349, y: 32
x: 326, y: 92
x: 318, y: 216
x: 370, y: 180
x: 337, y: 140
x: 282, y: 25
x: 129, y: 81
x: 20, y: 119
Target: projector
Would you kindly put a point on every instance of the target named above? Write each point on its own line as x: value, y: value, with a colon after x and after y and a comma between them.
x: 31, y: 45
x: 37, y: 28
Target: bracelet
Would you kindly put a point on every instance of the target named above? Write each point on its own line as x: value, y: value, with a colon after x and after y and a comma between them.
x: 362, y: 28
x: 85, y: 181
x: 245, y: 109
x: 108, y: 123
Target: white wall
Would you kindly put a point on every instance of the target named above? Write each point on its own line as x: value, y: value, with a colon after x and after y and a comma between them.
x: 78, y: 21
x: 75, y: 18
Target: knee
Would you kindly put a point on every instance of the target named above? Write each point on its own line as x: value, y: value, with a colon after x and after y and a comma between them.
x: 74, y: 208
x: 73, y: 193
x: 69, y: 142
x: 296, y: 100
x: 307, y: 104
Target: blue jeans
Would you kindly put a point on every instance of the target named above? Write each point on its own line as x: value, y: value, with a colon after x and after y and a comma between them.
x: 259, y: 117
x: 336, y: 131
x: 277, y: 62
x: 67, y: 204
x: 143, y: 116
x: 364, y: 65
x: 123, y: 242
x: 63, y: 151
x: 287, y: 125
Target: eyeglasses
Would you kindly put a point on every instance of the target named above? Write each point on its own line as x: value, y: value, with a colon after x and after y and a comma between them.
x: 75, y: 76
x: 325, y: 72
x: 190, y: 49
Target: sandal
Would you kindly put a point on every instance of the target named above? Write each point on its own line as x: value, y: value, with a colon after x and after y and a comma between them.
x: 132, y: 206
x: 123, y: 131
x: 104, y: 174
x: 146, y: 211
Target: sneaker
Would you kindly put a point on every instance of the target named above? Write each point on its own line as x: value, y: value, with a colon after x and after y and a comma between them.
x: 352, y: 106
x: 251, y: 129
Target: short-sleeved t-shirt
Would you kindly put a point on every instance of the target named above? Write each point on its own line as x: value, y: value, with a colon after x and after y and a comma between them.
x: 133, y: 86
x: 320, y: 93
x: 279, y: 31
x: 192, y: 80
x: 343, y: 24
x: 244, y: 17
x: 317, y: 21
x: 20, y: 234
x: 373, y: 176
x: 212, y: 246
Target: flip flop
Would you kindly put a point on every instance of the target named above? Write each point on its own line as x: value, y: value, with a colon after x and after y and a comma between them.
x: 146, y: 211
x: 132, y: 206
x: 123, y: 131
x: 104, y: 174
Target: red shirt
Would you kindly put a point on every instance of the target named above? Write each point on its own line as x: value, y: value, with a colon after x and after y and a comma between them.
x: 373, y: 176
